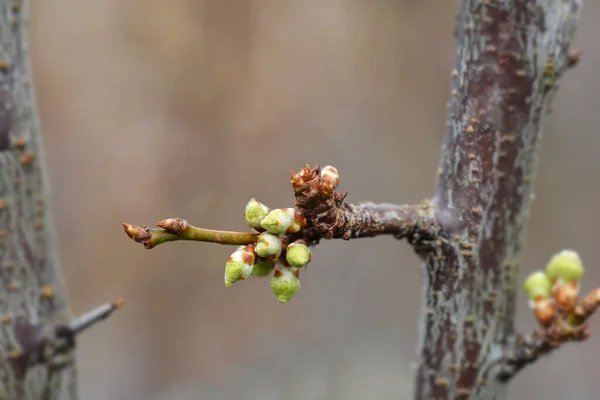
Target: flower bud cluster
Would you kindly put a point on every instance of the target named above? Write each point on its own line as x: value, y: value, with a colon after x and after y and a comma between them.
x: 557, y: 288
x: 272, y: 254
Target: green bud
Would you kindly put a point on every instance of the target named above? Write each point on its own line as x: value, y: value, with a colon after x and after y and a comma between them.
x: 279, y: 220
x: 565, y: 265
x: 268, y: 245
x: 537, y: 284
x: 284, y: 284
x: 240, y: 265
x: 298, y: 254
x: 255, y: 212
x: 263, y: 267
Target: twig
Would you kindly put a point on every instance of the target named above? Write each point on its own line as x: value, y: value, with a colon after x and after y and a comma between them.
x: 90, y: 318
x: 565, y: 327
x: 179, y: 229
x: 323, y: 213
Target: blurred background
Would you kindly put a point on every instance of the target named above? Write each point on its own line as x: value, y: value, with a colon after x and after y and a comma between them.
x: 154, y: 109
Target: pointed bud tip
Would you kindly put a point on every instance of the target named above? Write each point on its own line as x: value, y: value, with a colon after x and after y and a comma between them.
x: 129, y: 229
x: 136, y: 233
x: 173, y: 225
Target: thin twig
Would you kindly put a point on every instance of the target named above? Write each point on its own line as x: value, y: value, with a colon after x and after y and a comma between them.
x: 166, y: 232
x: 90, y: 318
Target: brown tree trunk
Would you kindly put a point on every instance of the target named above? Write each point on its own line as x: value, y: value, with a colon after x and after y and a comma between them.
x: 32, y: 298
x: 509, y: 57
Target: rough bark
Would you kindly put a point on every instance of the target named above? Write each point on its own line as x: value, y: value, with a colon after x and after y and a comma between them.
x: 32, y: 299
x: 509, y: 57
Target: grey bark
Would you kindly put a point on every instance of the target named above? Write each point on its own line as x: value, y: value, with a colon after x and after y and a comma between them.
x: 509, y: 57
x: 32, y: 299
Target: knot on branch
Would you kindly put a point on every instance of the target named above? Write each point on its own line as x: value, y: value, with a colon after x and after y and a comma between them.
x: 319, y: 203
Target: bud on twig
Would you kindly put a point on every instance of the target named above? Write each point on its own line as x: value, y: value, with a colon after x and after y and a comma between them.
x: 254, y: 213
x: 283, y: 220
x: 298, y: 254
x: 268, y: 245
x: 538, y: 288
x: 240, y: 264
x: 330, y: 175
x: 284, y: 284
x: 278, y: 220
x: 565, y: 270
x: 565, y: 265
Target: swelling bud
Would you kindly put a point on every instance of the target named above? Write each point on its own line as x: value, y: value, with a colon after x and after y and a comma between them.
x: 240, y: 265
x: 538, y: 288
x: 298, y: 254
x: 254, y: 213
x: 537, y: 285
x: 282, y: 220
x: 268, y: 245
x: 565, y: 265
x: 565, y: 270
x: 284, y: 284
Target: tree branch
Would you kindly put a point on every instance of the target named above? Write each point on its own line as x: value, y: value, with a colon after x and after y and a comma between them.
x: 509, y: 58
x: 323, y: 215
x: 279, y: 248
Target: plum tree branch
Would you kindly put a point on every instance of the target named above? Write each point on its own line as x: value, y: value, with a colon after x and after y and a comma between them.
x: 325, y: 215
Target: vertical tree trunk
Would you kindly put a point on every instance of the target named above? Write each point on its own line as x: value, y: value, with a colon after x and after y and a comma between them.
x: 32, y: 298
x: 509, y: 57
